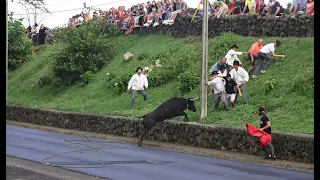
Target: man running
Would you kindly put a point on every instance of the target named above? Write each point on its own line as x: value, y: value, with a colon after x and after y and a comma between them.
x: 138, y: 83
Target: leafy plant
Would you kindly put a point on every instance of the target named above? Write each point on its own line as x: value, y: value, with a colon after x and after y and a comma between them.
x: 270, y: 85
x: 188, y: 81
x: 89, y: 48
x: 19, y: 45
x: 86, y: 78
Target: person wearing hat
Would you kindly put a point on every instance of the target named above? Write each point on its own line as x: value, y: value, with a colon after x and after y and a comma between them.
x: 264, y: 55
x: 138, y: 83
x: 232, y: 55
x: 241, y: 77
x: 253, y: 53
x: 218, y: 86
x: 265, y: 126
x: 222, y: 71
x: 216, y: 66
x: 230, y: 89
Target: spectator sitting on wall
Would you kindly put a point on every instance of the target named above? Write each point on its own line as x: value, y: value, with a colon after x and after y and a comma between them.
x: 310, y: 7
x: 231, y: 8
x: 223, y: 9
x: 181, y: 8
x: 299, y: 5
x: 28, y: 32
x: 157, y: 17
x: 148, y: 17
x: 275, y: 9
x: 248, y: 7
x: 237, y: 7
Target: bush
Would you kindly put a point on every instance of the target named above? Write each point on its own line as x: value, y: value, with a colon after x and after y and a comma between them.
x: 160, y: 77
x: 19, y: 45
x: 88, y: 48
x: 121, y: 83
x: 188, y: 81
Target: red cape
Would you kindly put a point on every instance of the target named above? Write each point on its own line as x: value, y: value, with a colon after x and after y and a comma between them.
x: 264, y: 137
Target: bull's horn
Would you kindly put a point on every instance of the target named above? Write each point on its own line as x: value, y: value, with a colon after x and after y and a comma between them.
x: 194, y: 99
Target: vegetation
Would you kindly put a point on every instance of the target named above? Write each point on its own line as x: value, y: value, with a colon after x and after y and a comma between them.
x: 286, y: 90
x: 19, y: 46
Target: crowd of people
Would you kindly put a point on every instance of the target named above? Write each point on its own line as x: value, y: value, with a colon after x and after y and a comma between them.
x: 165, y: 12
x: 39, y: 35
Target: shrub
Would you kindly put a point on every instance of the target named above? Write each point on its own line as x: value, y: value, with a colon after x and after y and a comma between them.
x: 161, y: 76
x: 188, y: 81
x: 86, y: 78
x: 19, y: 45
x: 88, y: 48
x: 121, y: 83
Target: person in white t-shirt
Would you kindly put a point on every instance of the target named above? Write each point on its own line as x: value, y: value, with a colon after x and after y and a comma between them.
x: 241, y: 77
x: 84, y: 9
x: 232, y: 55
x: 264, y: 55
x: 218, y: 85
x: 138, y: 83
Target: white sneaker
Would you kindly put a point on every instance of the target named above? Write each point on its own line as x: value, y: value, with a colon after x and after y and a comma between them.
x: 149, y: 21
x: 165, y: 21
x: 155, y: 24
x: 254, y: 76
x: 171, y: 21
x: 146, y: 24
x: 263, y: 71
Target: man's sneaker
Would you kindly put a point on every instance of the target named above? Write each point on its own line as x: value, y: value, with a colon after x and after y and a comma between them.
x: 150, y: 21
x: 155, y: 24
x: 263, y: 71
x: 171, y: 21
x: 254, y: 76
x: 271, y: 157
x: 146, y: 24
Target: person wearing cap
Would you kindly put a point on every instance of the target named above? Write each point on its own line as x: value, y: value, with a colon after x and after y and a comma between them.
x: 232, y: 55
x: 217, y: 65
x: 138, y: 83
x: 265, y: 126
x: 253, y: 53
x: 222, y: 71
x: 264, y: 55
x: 241, y: 77
x: 230, y: 89
x: 218, y: 86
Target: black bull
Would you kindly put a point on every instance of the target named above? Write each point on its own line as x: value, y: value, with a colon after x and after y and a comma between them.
x: 171, y: 108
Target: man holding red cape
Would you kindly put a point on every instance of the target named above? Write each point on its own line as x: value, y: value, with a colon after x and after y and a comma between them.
x: 263, y: 133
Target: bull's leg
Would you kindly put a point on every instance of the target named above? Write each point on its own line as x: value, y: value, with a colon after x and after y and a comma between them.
x: 145, y: 131
x: 185, y: 116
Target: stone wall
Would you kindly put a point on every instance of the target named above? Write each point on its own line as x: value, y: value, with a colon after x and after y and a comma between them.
x: 246, y: 25
x: 287, y: 146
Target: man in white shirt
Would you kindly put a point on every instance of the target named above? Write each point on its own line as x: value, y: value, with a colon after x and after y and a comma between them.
x: 138, y: 83
x: 218, y: 86
x: 222, y: 71
x: 232, y: 55
x: 84, y: 9
x: 264, y: 55
x: 241, y: 77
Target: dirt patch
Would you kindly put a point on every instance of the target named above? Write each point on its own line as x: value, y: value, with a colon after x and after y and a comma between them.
x: 306, y: 167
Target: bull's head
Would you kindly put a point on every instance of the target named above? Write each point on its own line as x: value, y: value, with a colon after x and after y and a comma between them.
x: 191, y: 105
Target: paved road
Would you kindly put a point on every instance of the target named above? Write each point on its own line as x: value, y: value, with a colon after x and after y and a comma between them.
x: 123, y: 161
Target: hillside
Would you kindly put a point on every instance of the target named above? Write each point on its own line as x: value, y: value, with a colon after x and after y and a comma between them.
x: 289, y: 101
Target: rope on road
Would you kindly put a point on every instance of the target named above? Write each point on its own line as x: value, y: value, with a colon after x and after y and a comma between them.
x: 88, y: 148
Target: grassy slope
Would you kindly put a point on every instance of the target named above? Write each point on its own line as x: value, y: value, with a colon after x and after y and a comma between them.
x: 289, y: 111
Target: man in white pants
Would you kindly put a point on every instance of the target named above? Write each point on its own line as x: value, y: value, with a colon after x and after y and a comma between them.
x: 138, y: 83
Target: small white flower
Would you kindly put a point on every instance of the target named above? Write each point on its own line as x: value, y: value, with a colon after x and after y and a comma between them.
x: 115, y: 84
x: 108, y: 74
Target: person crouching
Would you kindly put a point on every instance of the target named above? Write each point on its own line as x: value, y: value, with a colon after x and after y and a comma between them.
x: 218, y: 86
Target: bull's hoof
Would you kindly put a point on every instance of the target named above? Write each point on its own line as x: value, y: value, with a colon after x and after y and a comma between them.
x: 139, y: 143
x: 185, y: 120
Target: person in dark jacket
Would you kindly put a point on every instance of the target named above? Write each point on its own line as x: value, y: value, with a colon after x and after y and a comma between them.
x: 265, y: 126
x: 230, y: 89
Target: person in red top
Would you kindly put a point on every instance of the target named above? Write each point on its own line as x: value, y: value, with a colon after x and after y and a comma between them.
x: 231, y: 8
x: 310, y: 7
x: 253, y: 53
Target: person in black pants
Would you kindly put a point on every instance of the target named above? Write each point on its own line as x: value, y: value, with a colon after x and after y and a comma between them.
x: 265, y: 126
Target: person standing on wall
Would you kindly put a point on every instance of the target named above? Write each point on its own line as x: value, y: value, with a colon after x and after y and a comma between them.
x: 265, y: 126
x: 138, y: 83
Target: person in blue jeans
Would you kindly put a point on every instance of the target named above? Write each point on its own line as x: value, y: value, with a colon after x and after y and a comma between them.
x: 264, y: 55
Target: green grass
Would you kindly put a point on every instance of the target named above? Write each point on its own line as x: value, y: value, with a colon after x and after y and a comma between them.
x: 289, y: 104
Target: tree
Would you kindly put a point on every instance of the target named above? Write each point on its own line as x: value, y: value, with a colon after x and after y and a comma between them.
x: 35, y: 9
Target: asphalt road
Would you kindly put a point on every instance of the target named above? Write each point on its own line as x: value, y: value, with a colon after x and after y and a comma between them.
x: 120, y: 161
